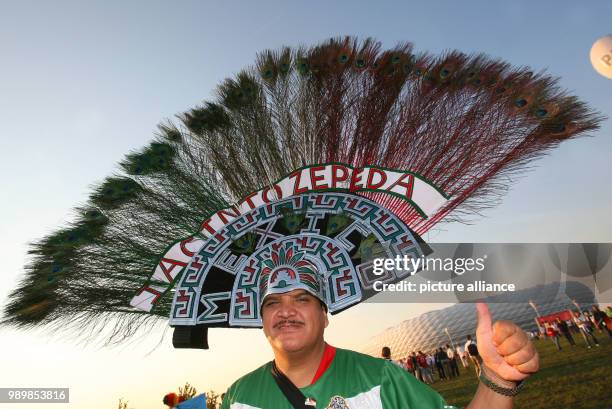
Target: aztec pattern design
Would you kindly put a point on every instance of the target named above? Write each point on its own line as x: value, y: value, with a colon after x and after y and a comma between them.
x: 335, y: 234
x: 402, y: 186
x: 332, y: 264
x: 287, y: 267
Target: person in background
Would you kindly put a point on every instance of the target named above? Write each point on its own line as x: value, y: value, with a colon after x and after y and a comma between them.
x: 609, y: 311
x: 472, y: 349
x: 599, y: 318
x: 409, y: 365
x: 441, y: 359
x: 452, y: 361
x: 584, y: 324
x: 462, y: 355
x: 424, y: 366
x: 572, y: 324
x: 592, y: 321
x: 417, y: 369
x: 543, y: 332
x: 553, y: 335
x: 172, y: 399
x: 564, y: 329
x: 431, y: 362
x: 386, y: 355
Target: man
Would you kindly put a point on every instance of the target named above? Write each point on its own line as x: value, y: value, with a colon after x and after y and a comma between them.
x: 462, y: 355
x: 172, y: 399
x: 310, y: 373
x: 452, y: 361
x: 472, y: 349
x: 584, y: 324
x: 441, y: 361
x: 553, y: 334
x: 417, y: 369
x: 410, y: 364
x: 386, y: 355
x: 599, y: 318
x: 564, y: 329
x: 426, y: 372
x: 431, y: 362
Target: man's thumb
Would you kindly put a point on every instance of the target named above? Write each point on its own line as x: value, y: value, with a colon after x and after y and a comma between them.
x: 485, y: 324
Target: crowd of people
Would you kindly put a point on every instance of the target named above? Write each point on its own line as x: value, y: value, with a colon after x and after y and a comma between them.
x: 443, y: 363
x: 585, y: 323
x: 440, y: 364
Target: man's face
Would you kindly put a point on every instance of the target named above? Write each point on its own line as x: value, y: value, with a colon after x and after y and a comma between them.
x: 294, y: 321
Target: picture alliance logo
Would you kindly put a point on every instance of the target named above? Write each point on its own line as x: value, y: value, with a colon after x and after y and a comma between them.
x: 407, y: 263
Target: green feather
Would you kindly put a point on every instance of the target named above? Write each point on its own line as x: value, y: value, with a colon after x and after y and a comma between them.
x: 360, y: 62
x: 209, y: 118
x: 114, y: 192
x: 170, y: 133
x: 157, y: 157
x: 94, y: 217
x: 303, y: 67
x: 239, y: 93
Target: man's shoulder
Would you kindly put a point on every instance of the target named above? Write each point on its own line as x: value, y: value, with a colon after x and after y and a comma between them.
x: 357, y: 358
x: 254, y: 377
x: 374, y: 366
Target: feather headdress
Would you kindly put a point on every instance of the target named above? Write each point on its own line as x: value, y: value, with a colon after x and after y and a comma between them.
x: 324, y: 157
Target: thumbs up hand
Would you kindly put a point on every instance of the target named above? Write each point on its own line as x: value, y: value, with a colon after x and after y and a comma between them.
x: 504, y: 347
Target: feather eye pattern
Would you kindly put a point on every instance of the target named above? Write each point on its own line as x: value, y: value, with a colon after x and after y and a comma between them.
x: 463, y: 123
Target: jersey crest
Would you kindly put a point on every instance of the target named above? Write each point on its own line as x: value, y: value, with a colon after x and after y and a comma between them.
x: 337, y: 402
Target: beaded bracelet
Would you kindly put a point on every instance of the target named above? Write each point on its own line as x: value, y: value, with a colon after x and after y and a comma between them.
x: 493, y: 382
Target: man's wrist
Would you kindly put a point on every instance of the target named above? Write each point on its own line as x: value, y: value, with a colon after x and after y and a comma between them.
x: 499, y: 385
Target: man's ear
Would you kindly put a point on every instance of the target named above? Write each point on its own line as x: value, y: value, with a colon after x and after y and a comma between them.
x: 326, y: 319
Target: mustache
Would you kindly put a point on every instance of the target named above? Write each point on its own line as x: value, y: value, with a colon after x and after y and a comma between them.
x: 288, y: 322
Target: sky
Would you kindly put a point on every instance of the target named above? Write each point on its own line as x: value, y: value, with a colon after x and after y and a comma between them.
x: 83, y: 83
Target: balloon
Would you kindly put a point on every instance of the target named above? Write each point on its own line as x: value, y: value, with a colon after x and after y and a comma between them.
x: 601, y: 56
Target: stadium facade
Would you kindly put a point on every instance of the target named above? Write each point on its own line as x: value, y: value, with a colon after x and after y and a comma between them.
x: 429, y: 330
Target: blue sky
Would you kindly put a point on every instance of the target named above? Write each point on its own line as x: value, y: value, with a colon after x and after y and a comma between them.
x: 83, y: 83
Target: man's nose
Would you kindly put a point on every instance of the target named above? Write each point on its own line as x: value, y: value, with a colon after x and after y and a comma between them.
x: 286, y: 308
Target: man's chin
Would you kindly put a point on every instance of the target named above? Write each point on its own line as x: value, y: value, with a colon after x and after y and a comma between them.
x: 289, y: 344
x: 291, y: 348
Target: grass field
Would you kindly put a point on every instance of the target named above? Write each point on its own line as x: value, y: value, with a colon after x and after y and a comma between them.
x: 574, y: 378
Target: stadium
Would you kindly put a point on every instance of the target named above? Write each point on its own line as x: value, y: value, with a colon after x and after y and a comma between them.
x: 453, y: 324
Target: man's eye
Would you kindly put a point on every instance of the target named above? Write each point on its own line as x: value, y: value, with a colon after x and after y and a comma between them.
x: 303, y: 299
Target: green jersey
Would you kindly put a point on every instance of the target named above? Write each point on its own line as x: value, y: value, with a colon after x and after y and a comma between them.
x: 352, y: 381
